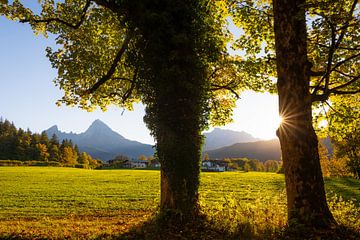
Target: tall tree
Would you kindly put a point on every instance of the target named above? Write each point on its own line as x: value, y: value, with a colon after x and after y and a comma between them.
x: 299, y: 144
x: 314, y: 60
x: 160, y: 52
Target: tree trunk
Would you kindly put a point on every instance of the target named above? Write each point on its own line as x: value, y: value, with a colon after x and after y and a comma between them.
x: 180, y: 171
x: 176, y: 100
x: 306, y: 198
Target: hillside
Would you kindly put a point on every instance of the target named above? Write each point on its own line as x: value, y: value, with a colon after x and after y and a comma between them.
x: 223, y: 137
x: 261, y: 150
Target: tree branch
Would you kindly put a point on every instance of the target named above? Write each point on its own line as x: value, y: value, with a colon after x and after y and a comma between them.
x: 344, y: 74
x: 71, y: 25
x: 336, y: 91
x: 345, y: 84
x: 346, y: 25
x: 112, y: 69
x: 132, y: 87
x: 334, y: 45
x: 338, y: 64
x: 226, y: 87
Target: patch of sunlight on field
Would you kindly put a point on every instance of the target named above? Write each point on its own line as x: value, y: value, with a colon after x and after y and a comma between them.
x: 82, y: 204
x: 246, y: 186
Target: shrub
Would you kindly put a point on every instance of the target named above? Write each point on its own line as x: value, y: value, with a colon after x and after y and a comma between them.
x: 11, y: 163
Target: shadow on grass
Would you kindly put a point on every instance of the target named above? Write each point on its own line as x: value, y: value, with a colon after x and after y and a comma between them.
x: 348, y: 188
x: 203, y: 229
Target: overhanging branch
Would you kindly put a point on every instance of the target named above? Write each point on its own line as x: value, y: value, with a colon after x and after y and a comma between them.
x: 113, y: 66
x: 216, y: 87
x: 61, y: 21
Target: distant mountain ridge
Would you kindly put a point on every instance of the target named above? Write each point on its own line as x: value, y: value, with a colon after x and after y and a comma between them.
x: 261, y: 150
x: 223, y: 137
x: 100, y: 141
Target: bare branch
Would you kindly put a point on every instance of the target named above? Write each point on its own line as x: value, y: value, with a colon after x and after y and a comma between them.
x: 112, y: 69
x: 71, y: 25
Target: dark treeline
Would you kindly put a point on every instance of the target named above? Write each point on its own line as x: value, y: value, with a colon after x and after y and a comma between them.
x: 19, y: 147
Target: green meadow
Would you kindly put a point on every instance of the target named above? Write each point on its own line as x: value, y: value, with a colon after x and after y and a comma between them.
x: 57, y: 203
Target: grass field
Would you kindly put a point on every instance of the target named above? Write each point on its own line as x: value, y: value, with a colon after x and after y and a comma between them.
x: 45, y: 202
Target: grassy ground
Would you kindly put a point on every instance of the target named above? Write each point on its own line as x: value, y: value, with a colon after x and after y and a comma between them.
x: 41, y: 202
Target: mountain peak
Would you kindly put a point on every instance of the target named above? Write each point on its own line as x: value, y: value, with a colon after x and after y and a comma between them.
x: 98, y: 122
x: 53, y: 128
x: 98, y: 125
x: 100, y: 141
x: 99, y: 129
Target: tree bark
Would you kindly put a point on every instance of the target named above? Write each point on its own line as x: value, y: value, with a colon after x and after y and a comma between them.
x: 174, y: 76
x: 306, y: 197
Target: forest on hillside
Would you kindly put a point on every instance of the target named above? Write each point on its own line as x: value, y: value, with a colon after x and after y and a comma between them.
x: 21, y: 147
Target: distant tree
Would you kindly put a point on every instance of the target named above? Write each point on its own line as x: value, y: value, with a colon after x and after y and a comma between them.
x: 271, y: 166
x: 122, y: 158
x: 349, y: 150
x: 54, y: 140
x: 233, y: 166
x: 54, y: 153
x: 44, y: 139
x: 42, y: 151
x: 247, y: 167
x: 206, y: 157
x: 68, y: 156
x: 343, y: 117
x: 84, y: 158
x: 142, y: 157
x: 256, y: 165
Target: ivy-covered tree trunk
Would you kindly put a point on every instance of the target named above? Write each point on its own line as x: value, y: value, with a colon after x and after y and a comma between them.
x: 179, y: 151
x: 175, y: 76
x: 299, y: 145
x: 178, y: 113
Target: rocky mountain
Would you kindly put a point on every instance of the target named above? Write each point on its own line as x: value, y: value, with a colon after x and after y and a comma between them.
x: 100, y: 141
x: 222, y: 137
x: 261, y: 150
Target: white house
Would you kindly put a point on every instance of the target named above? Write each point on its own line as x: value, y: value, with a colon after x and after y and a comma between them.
x: 212, y: 166
x: 135, y: 163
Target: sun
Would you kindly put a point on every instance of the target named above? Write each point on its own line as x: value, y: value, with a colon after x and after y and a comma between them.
x: 279, y: 120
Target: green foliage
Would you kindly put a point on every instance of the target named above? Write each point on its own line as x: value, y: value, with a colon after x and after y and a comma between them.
x: 346, y: 212
x: 264, y: 217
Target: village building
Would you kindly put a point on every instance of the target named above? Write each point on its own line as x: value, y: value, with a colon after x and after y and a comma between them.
x: 135, y: 163
x: 213, y: 166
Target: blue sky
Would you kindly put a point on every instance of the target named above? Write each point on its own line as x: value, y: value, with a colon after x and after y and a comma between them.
x: 28, y: 95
